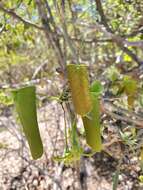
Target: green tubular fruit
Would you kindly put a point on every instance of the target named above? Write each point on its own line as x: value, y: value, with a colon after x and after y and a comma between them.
x: 92, y: 126
x: 91, y: 121
x: 79, y: 86
x: 25, y: 101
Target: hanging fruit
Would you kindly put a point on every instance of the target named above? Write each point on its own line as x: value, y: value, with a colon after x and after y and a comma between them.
x: 91, y: 121
x: 25, y: 102
x: 79, y: 86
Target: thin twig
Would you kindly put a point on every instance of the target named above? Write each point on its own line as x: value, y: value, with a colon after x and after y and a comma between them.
x: 50, y: 35
x: 109, y: 109
x: 121, y: 42
x: 102, y: 15
x: 118, y: 40
x: 17, y: 17
x: 65, y: 32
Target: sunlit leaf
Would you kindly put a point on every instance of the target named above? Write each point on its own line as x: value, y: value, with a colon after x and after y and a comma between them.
x: 127, y: 58
x: 96, y: 88
x: 141, y: 178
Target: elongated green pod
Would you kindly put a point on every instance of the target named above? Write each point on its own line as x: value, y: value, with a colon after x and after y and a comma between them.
x: 92, y: 126
x: 79, y: 86
x: 25, y: 101
x: 91, y: 122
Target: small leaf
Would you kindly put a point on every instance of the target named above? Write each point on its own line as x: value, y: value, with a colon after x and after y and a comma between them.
x: 96, y: 88
x: 30, y: 1
x: 127, y: 58
x: 141, y: 178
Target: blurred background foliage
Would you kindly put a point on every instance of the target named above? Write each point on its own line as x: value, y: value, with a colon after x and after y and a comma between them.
x: 24, y: 47
x: 39, y: 37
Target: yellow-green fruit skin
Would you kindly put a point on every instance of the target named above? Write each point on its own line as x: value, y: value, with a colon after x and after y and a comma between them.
x: 92, y: 126
x: 79, y: 86
x: 25, y: 101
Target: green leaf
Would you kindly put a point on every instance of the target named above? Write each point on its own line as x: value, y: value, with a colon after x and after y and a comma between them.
x: 30, y: 1
x: 25, y: 101
x: 141, y: 178
x: 127, y: 58
x: 5, y: 99
x: 96, y: 88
